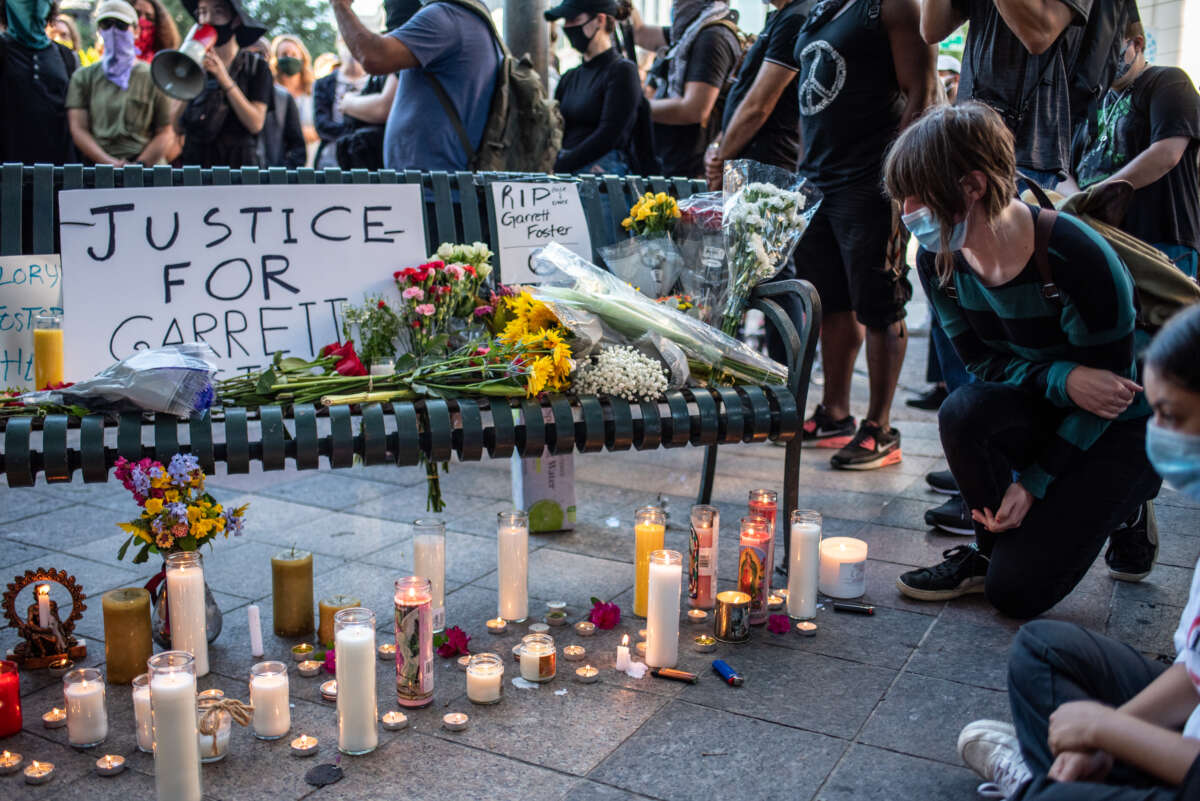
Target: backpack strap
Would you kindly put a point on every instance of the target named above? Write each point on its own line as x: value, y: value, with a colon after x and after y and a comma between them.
x: 456, y: 122
x: 1043, y: 225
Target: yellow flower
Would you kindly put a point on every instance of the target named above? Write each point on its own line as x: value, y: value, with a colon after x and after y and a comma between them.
x: 220, y: 523
x: 154, y: 505
x: 541, y: 317
x: 164, y: 541
x: 160, y: 482
x: 662, y: 197
x: 217, y: 509
x: 561, y: 357
x: 643, y: 213
x: 193, y: 513
x: 171, y: 495
x: 539, y: 373
x: 627, y: 223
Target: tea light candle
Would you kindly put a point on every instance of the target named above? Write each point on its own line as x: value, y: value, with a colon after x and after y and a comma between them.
x: 775, y: 602
x: 305, y: 746
x: 703, y: 643
x: 60, y: 667
x: 585, y: 628
x: 87, y: 714
x: 783, y: 594
x: 556, y: 618
x: 574, y: 653
x: 538, y: 628
x: 39, y: 772
x: 697, y: 616
x: 309, y: 668
x: 302, y: 652
x: 55, y: 719
x: 843, y: 567
x: 463, y: 661
x: 642, y: 634
x: 110, y: 765
x: 623, y: 661
x: 497, y: 625
x: 394, y: 721
x: 10, y: 763
x: 806, y: 628
x: 556, y: 606
x: 387, y: 652
x: 329, y: 690
x: 641, y: 648
x: 586, y: 674
x: 269, y: 697
x: 455, y: 721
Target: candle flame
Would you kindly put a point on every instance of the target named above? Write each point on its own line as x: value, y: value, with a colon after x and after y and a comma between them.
x: 625, y: 641
x: 43, y: 589
x: 35, y: 765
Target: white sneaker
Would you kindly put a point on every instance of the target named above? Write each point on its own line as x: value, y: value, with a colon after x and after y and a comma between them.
x: 990, y: 748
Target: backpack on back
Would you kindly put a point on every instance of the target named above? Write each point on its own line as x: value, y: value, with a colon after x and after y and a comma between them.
x: 524, y: 127
x: 744, y: 40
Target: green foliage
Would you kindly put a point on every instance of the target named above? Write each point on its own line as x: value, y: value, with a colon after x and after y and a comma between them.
x: 311, y: 20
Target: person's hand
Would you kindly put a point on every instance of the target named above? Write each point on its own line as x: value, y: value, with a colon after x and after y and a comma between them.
x: 1013, y: 508
x: 714, y: 168
x: 1081, y: 766
x: 1074, y: 726
x: 214, y: 65
x: 1101, y: 392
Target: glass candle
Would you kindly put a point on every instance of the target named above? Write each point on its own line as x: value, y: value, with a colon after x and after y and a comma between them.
x: 87, y: 715
x: 843, y: 572
x: 328, y: 607
x: 485, y: 678
x: 662, y: 618
x: 213, y: 727
x: 765, y: 503
x: 702, y: 557
x: 731, y: 622
x: 538, y: 657
x: 414, y: 642
x: 429, y: 561
x: 173, y: 702
x: 357, y: 713
x: 10, y: 698
x: 754, y: 577
x: 47, y: 350
x: 127, y: 641
x: 269, y: 697
x: 512, y: 542
x: 185, y: 599
x: 649, y: 529
x: 143, y: 720
x: 804, y: 564
x: 292, y: 592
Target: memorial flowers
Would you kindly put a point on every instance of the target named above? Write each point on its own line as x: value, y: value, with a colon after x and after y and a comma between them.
x: 177, y: 513
x: 622, y: 372
x: 605, y: 616
x: 376, y: 326
x: 651, y: 214
x: 452, y: 642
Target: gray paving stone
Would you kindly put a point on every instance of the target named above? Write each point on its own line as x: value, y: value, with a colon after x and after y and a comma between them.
x: 258, y: 479
x: 904, y: 513
x: 328, y: 491
x: 127, y: 785
x: 885, y: 639
x: 873, y: 774
x: 17, y: 504
x: 687, y: 752
x: 13, y: 552
x: 1147, y: 626
x: 266, y: 516
x: 594, y: 791
x: 964, y: 652
x: 881, y: 588
x: 1165, y: 584
x: 1178, y: 550
x: 345, y: 536
x: 1174, y: 519
x: 67, y: 526
x: 922, y: 716
x: 905, y: 545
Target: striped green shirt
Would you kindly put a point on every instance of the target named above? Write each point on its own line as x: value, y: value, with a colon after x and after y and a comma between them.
x: 1011, y: 334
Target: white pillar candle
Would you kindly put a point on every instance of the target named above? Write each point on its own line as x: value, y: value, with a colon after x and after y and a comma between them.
x: 173, y: 700
x: 357, y: 713
x: 429, y: 562
x: 843, y: 567
x: 662, y: 609
x: 43, y: 599
x: 623, y: 661
x: 87, y: 716
x: 804, y: 564
x: 269, y: 697
x: 185, y: 607
x: 485, y: 675
x: 143, y: 720
x: 512, y: 539
x: 255, y: 619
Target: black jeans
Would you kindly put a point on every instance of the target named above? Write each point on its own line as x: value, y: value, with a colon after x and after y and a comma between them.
x: 989, y: 430
x: 1052, y: 663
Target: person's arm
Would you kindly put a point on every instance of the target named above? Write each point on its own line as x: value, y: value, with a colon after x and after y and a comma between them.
x: 323, y: 95
x: 647, y: 37
x: 294, y: 153
x: 912, y: 58
x: 157, y: 149
x: 939, y: 19
x: 372, y: 109
x: 1037, y: 23
x: 1152, y: 163
x: 377, y: 54
x: 252, y: 114
x: 755, y: 108
x: 617, y: 118
x: 79, y: 122
x: 691, y: 109
x: 710, y: 61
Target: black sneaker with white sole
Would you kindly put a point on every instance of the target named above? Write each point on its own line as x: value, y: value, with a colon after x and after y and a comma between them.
x: 963, y: 572
x: 952, y: 517
x: 823, y: 431
x: 942, y: 481
x: 1133, y: 547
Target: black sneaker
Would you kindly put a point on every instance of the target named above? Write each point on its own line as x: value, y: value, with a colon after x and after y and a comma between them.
x: 963, y: 572
x: 822, y: 431
x: 1133, y: 547
x: 952, y: 517
x: 929, y: 401
x: 942, y: 481
x: 871, y: 447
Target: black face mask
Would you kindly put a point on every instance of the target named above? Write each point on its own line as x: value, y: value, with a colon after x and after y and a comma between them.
x: 224, y: 32
x: 577, y: 38
x: 287, y: 65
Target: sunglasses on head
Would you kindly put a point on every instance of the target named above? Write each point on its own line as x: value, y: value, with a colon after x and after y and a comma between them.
x: 105, y: 24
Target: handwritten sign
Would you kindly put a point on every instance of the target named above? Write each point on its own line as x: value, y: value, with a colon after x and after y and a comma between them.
x: 247, y: 270
x: 29, y: 285
x: 532, y: 215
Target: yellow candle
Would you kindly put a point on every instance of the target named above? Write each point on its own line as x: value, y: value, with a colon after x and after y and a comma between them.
x: 648, y: 532
x: 127, y: 643
x: 47, y: 357
x: 330, y: 607
x: 292, y: 593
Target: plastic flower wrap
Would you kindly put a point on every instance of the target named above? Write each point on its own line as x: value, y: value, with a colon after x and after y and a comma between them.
x: 767, y: 209
x: 649, y: 261
x: 701, y: 241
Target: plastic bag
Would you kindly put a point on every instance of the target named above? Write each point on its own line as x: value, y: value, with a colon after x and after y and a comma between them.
x: 176, y: 379
x: 650, y: 263
x: 701, y: 240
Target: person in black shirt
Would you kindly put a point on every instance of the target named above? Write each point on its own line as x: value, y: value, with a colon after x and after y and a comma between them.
x: 599, y: 98
x: 221, y: 125
x: 34, y: 73
x: 1149, y: 135
x: 701, y: 52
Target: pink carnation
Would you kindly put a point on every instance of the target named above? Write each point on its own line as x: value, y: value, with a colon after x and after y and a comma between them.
x: 455, y: 270
x: 414, y: 292
x: 425, y: 309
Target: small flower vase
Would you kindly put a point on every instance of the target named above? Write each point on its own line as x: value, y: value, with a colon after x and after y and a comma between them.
x: 160, y: 619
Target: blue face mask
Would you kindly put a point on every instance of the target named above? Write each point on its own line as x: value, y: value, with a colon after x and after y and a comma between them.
x: 1176, y: 457
x: 928, y: 232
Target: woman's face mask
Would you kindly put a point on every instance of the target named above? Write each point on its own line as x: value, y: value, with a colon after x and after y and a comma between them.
x: 1176, y: 457
x: 922, y: 224
x: 289, y: 65
x: 577, y: 36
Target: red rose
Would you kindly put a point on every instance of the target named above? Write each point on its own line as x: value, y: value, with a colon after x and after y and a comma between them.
x: 605, y: 616
x: 348, y: 362
x: 779, y: 624
x: 454, y: 642
x: 382, y: 305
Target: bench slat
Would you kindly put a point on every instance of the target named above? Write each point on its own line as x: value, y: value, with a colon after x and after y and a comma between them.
x: 55, y: 460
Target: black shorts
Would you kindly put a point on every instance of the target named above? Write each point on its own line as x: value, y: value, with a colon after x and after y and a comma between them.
x: 853, y: 253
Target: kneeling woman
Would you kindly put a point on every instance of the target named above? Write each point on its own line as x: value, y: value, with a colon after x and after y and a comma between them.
x: 1041, y: 311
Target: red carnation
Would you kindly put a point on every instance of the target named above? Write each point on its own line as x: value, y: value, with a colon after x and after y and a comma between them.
x: 454, y: 642
x: 382, y: 305
x: 779, y: 624
x: 605, y: 616
x: 348, y: 361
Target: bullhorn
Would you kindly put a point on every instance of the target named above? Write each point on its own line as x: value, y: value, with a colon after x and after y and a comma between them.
x: 180, y: 73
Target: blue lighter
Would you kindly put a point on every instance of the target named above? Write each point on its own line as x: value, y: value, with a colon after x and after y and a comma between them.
x: 731, y: 676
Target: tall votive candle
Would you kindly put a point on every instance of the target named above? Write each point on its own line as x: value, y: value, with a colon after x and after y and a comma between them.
x: 754, y: 576
x: 173, y: 701
x: 185, y: 606
x: 328, y: 608
x: 702, y: 557
x: 804, y: 564
x: 269, y: 697
x: 662, y: 619
x: 649, y: 530
x: 512, y: 541
x: 357, y: 712
x: 87, y: 714
x: 429, y: 561
x: 127, y: 640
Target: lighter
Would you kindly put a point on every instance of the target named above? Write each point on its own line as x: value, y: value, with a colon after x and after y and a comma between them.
x: 730, y: 676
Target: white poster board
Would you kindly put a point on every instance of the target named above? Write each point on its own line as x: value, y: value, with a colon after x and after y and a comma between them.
x: 249, y: 270
x: 28, y: 286
x: 532, y: 215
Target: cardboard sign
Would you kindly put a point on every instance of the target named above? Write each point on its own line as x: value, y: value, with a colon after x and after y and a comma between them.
x: 28, y: 286
x: 248, y: 270
x: 532, y: 215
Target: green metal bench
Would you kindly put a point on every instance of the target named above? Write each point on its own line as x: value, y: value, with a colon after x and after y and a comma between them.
x: 403, y: 433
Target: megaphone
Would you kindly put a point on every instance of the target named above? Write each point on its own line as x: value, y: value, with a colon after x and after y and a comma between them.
x: 180, y: 73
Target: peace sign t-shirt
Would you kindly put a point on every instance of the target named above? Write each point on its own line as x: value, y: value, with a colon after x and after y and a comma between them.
x: 1187, y: 645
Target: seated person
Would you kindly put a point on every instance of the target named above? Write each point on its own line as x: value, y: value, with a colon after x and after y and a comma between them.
x: 115, y: 113
x: 1056, y: 398
x: 1094, y: 718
